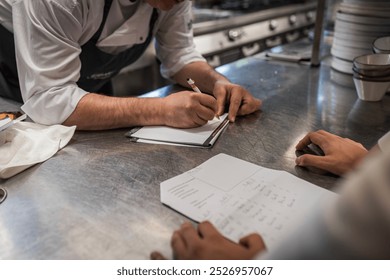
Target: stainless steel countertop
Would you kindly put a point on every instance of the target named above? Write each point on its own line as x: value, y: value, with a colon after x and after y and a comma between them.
x: 99, y: 197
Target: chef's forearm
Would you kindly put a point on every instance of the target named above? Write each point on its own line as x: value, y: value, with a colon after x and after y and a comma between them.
x: 98, y: 112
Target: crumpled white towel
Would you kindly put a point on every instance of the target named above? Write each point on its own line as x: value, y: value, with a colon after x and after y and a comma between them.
x: 25, y: 144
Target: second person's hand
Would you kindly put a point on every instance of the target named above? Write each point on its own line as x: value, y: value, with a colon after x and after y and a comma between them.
x: 207, y: 243
x: 341, y: 154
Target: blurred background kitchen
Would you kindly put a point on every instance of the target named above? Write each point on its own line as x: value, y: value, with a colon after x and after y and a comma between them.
x: 228, y: 30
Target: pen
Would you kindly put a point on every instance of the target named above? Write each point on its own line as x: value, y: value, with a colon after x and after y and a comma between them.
x: 193, y: 86
x: 196, y: 89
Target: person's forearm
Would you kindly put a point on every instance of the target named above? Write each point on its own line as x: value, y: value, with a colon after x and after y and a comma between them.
x: 98, y: 112
x: 203, y: 75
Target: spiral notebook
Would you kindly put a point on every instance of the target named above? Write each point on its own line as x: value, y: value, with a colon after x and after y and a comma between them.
x: 202, y: 137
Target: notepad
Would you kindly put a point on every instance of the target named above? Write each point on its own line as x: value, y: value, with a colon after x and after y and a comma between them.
x: 204, y: 136
x: 240, y: 198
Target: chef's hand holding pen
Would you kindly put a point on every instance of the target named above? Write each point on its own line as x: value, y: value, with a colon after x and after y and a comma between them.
x: 188, y: 109
x: 239, y: 100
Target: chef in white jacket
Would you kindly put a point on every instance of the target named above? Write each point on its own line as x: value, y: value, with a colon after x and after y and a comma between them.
x: 57, y: 56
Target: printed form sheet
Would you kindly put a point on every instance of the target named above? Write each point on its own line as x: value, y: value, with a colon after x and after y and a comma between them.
x: 240, y: 198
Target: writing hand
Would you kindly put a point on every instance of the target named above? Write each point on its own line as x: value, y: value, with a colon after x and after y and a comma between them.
x: 188, y: 109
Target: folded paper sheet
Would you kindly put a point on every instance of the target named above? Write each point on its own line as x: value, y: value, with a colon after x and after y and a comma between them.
x: 25, y: 144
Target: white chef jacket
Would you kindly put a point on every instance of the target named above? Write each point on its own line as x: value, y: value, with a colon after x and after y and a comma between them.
x: 49, y: 35
x: 356, y: 226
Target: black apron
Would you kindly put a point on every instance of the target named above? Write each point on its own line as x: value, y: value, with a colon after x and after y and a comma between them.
x: 9, y: 82
x: 97, y: 67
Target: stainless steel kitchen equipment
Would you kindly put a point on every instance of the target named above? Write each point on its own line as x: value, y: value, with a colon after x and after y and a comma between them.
x: 226, y: 31
x: 231, y: 30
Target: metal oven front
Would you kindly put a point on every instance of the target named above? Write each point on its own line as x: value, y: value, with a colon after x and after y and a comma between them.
x: 226, y: 31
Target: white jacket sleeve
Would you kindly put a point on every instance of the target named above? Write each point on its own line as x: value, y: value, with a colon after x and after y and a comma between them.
x: 174, y: 40
x: 47, y: 54
x: 384, y: 142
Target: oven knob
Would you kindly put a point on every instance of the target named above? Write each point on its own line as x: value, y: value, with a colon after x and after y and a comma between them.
x: 273, y: 24
x: 292, y: 19
x: 234, y: 34
x: 310, y: 16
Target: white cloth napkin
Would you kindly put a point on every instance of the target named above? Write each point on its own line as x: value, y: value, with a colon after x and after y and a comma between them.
x: 25, y: 144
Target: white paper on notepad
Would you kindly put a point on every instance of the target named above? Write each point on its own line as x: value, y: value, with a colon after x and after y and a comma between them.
x: 240, y: 198
x: 197, y: 136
